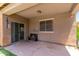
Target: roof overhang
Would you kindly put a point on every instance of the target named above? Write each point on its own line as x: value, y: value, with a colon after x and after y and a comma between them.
x: 16, y: 7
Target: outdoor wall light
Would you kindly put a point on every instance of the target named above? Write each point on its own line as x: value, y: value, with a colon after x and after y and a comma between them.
x: 7, y: 23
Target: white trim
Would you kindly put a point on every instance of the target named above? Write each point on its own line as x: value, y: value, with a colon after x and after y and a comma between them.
x: 47, y: 19
x: 46, y: 31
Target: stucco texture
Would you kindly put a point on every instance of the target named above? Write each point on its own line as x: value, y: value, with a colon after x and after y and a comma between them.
x: 63, y: 29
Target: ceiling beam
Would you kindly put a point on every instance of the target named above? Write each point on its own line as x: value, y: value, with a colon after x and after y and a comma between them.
x: 1, y: 4
x: 76, y: 9
x: 16, y: 7
x: 73, y: 7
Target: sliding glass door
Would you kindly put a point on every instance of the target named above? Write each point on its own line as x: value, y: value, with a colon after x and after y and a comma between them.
x: 17, y: 31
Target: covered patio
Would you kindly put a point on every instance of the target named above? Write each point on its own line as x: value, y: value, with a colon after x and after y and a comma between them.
x: 54, y: 25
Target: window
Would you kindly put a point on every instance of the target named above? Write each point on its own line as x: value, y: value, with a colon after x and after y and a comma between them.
x: 42, y: 26
x: 49, y: 25
x: 46, y: 25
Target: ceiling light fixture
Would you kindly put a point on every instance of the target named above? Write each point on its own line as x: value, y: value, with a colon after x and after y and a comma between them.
x: 39, y: 11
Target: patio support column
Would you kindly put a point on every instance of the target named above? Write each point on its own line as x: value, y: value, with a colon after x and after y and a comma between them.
x: 1, y: 29
x: 4, y: 31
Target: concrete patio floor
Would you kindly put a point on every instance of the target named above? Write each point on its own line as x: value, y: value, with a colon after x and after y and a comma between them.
x: 32, y: 48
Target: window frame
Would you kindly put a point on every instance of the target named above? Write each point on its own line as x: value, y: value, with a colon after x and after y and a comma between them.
x: 45, y: 26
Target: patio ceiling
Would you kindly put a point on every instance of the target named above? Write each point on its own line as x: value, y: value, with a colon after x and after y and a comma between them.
x: 29, y: 10
x: 45, y: 9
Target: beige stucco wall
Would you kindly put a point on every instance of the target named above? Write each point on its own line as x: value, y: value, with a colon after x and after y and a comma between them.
x: 7, y: 31
x: 64, y: 29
